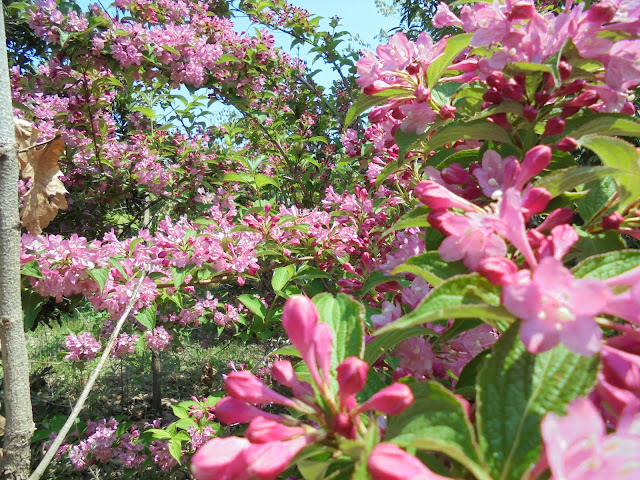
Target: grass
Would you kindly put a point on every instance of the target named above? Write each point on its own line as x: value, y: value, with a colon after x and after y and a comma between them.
x: 124, y: 386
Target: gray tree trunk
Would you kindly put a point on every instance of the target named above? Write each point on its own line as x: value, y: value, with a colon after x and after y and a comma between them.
x: 15, y: 364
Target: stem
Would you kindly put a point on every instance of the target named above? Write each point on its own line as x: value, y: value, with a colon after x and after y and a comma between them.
x: 606, y: 323
x: 42, y: 467
x: 156, y: 375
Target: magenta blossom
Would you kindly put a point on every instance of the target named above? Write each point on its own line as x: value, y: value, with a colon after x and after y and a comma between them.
x: 556, y: 308
x: 389, y: 462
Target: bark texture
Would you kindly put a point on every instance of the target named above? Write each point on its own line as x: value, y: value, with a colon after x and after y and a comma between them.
x: 15, y: 364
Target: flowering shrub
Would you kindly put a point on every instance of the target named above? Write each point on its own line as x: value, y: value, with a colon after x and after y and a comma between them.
x: 457, y: 276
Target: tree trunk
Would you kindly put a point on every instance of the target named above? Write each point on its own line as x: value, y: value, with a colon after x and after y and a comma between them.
x: 156, y: 378
x: 15, y: 364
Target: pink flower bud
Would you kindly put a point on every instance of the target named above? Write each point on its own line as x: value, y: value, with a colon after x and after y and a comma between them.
x: 542, y: 97
x: 323, y: 341
x: 492, y: 96
x: 569, y: 111
x: 343, y: 425
x: 230, y: 411
x: 554, y: 126
x: 389, y: 462
x: 557, y: 217
x: 456, y: 174
x: 352, y: 375
x: 564, y: 68
x: 422, y: 93
x: 268, y: 460
x: 612, y: 221
x: 391, y: 400
x: 535, y: 200
x: 496, y: 80
x: 601, y: 13
x: 567, y: 144
x: 263, y: 430
x: 530, y: 113
x: 501, y: 120
x: 221, y: 459
x: 438, y: 197
x: 299, y: 319
x: 498, y: 270
x: 629, y: 108
x: 448, y: 111
x: 535, y: 160
x: 283, y: 373
x: 573, y: 88
x: 246, y: 387
x: 585, y: 99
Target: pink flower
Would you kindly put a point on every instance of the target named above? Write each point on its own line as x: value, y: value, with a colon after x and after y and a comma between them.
x: 246, y: 387
x: 221, y: 459
x: 81, y: 347
x: 578, y: 448
x: 557, y: 308
x: 389, y: 462
x: 444, y: 17
x: 437, y: 197
x: 471, y: 237
x: 491, y: 175
x: 418, y: 117
x: 391, y: 400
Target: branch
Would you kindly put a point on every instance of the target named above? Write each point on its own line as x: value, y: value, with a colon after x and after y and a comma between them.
x: 42, y: 467
x: 36, y: 145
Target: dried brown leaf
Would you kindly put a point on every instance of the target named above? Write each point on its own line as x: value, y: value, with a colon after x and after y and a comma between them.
x: 46, y: 196
x: 26, y: 136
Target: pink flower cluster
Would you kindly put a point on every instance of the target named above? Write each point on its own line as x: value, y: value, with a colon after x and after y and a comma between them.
x: 272, y: 441
x: 81, y: 347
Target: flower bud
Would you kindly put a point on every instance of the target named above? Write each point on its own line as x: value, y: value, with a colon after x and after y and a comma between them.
x: 554, y: 126
x: 534, y: 201
x: 387, y: 461
x: 230, y: 411
x: 283, y: 373
x: 530, y: 113
x: 612, y: 221
x: 558, y: 217
x: 492, y: 96
x: 323, y: 344
x: 498, y: 270
x: 343, y: 425
x: 585, y: 99
x: 601, y: 13
x: 263, y: 430
x: 535, y: 160
x: 391, y: 400
x: 438, y: 197
x: 456, y: 174
x: 567, y: 144
x: 246, y: 387
x: 352, y: 376
x: 299, y: 319
x: 496, y: 80
x: 564, y: 68
x: 221, y: 459
x: 542, y: 97
x: 448, y: 111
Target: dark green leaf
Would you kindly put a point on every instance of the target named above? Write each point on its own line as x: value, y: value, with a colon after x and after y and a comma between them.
x: 607, y: 265
x: 431, y: 268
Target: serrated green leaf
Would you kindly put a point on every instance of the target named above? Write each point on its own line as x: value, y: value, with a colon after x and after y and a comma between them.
x: 384, y: 343
x: 405, y: 142
x: 345, y: 316
x: 607, y: 265
x: 431, y: 268
x: 146, y: 111
x: 476, y: 130
x: 281, y: 277
x: 179, y: 411
x: 179, y: 274
x: 414, y: 218
x: 616, y: 153
x: 263, y: 180
x: 185, y: 423
x: 515, y: 390
x: 100, y: 275
x: 175, y: 449
x: 463, y: 296
x: 436, y: 421
x: 600, y: 194
x: 31, y: 269
x: 455, y: 45
x: 238, y: 177
x: 565, y: 180
x: 613, y: 124
x: 254, y: 304
x: 158, y: 434
x: 147, y: 317
x: 32, y: 303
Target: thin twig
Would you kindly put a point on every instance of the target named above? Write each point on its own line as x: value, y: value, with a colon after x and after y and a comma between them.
x: 42, y: 467
x: 39, y: 144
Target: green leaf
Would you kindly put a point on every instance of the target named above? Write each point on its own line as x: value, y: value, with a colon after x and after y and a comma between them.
x: 455, y: 45
x: 178, y: 274
x: 617, y: 153
x: 364, y: 102
x: 431, y: 268
x: 607, y: 265
x: 476, y: 130
x: 414, y: 218
x: 600, y: 195
x: 100, y: 275
x: 281, y: 277
x: 374, y: 279
x: 238, y: 177
x: 612, y: 124
x: 345, y: 316
x: 263, y: 180
x: 405, y: 142
x: 31, y: 269
x: 254, y: 304
x: 384, y: 343
x: 593, y: 244
x: 171, y: 50
x: 565, y: 180
x: 147, y: 317
x: 146, y: 111
x: 179, y: 411
x: 175, y: 449
x: 158, y: 434
x: 515, y: 390
x: 32, y: 303
x: 436, y: 421
x: 463, y: 296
